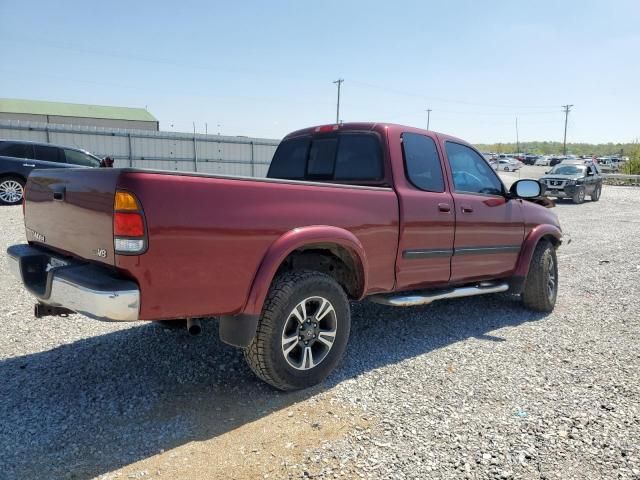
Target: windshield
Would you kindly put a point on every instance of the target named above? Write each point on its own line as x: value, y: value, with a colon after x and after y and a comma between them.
x: 568, y: 170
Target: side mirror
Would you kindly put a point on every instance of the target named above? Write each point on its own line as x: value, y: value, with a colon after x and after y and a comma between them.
x: 526, y: 189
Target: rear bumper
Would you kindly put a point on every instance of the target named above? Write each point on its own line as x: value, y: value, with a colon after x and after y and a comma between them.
x: 83, y: 287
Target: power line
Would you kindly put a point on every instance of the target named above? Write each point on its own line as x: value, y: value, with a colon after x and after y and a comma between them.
x: 567, y: 109
x: 339, y: 82
x: 444, y: 100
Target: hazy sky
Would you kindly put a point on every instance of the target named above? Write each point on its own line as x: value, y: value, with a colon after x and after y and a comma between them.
x: 266, y: 68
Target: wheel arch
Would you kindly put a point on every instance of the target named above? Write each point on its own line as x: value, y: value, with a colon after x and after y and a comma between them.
x: 323, y: 248
x: 549, y: 233
x: 13, y: 174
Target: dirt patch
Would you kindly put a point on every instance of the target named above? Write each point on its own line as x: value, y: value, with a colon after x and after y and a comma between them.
x: 274, y: 446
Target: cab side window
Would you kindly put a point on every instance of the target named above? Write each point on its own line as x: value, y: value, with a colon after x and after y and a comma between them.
x: 17, y: 150
x: 422, y: 162
x: 79, y: 158
x: 47, y: 153
x: 471, y: 173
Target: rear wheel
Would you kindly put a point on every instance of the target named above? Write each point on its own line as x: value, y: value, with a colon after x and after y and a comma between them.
x: 303, y: 331
x: 595, y: 196
x: 11, y: 190
x: 579, y: 195
x: 541, y: 287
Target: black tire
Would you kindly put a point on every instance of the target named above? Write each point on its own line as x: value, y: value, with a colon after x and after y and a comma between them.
x: 579, y: 195
x: 9, y: 184
x: 265, y: 355
x: 538, y: 294
x: 595, y: 196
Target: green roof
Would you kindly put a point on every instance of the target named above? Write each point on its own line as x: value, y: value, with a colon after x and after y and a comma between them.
x: 37, y: 107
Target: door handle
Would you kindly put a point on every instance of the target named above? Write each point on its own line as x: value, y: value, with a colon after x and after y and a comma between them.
x: 28, y: 165
x: 466, y: 209
x: 444, y: 207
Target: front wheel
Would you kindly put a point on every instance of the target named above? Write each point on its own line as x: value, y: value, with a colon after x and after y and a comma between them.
x: 11, y: 190
x: 303, y: 331
x: 578, y: 197
x: 541, y: 286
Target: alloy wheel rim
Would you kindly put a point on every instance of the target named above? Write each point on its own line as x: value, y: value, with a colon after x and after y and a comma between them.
x: 11, y: 191
x: 309, y: 333
x: 551, y: 278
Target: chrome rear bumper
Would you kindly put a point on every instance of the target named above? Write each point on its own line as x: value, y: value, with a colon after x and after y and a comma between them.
x: 83, y: 287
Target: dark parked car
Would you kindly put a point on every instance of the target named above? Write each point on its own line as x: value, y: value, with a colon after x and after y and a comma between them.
x: 573, y: 179
x: 530, y: 159
x: 556, y: 160
x: 18, y: 158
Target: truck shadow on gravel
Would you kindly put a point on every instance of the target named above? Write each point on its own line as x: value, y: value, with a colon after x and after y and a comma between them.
x: 98, y: 404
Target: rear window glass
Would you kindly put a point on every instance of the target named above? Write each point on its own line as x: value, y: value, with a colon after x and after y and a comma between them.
x: 342, y: 158
x: 322, y: 158
x: 290, y: 159
x: 358, y: 158
x: 18, y: 150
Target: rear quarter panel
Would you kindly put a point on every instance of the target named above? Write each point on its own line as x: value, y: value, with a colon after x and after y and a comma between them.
x: 208, y: 236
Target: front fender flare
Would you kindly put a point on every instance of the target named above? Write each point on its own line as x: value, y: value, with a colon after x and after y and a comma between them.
x: 293, y: 240
x: 529, y: 246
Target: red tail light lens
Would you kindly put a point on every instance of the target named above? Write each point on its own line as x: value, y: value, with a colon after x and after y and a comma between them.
x: 128, y: 225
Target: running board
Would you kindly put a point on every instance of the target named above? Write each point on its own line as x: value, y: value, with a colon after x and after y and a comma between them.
x: 428, y: 296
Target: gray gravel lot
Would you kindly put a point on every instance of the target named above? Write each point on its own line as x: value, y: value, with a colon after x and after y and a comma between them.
x: 472, y: 388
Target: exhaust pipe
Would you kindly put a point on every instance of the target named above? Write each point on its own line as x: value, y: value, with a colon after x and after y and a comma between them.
x: 193, y: 326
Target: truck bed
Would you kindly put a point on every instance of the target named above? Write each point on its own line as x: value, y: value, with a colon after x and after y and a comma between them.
x: 207, y: 234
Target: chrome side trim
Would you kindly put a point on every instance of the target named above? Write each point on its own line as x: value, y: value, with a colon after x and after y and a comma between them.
x: 426, y: 253
x: 483, y: 250
x: 431, y: 296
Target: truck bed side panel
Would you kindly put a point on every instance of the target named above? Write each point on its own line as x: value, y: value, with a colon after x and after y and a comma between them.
x: 207, y: 236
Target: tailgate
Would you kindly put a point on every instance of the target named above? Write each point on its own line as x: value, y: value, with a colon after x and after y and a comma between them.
x: 71, y: 210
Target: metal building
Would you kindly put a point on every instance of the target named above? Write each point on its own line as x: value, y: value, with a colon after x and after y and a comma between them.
x: 77, y: 114
x: 217, y: 154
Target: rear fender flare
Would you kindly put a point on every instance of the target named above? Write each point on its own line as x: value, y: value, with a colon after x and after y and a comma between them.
x: 529, y: 246
x: 293, y: 240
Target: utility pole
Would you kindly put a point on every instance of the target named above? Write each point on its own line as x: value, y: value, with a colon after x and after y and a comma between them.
x: 428, y: 117
x: 517, y: 138
x: 567, y: 109
x: 339, y: 82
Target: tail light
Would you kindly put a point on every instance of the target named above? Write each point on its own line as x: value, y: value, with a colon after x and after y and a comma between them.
x: 129, y: 230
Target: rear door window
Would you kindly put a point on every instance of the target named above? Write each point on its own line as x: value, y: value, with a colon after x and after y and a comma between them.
x: 48, y: 153
x: 17, y: 150
x: 422, y: 162
x: 347, y: 157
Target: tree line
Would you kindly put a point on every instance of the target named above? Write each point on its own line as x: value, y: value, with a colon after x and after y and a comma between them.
x: 550, y: 148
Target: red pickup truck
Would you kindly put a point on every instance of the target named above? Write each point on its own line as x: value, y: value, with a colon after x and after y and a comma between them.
x: 388, y: 213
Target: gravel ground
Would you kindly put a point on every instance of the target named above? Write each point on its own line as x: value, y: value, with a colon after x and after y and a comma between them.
x: 472, y: 388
